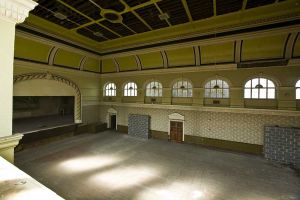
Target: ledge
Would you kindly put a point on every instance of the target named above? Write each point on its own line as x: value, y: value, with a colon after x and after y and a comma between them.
x: 206, y: 109
x: 10, y: 141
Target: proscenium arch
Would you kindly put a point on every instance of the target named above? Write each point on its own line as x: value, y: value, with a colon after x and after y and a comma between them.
x: 59, y: 79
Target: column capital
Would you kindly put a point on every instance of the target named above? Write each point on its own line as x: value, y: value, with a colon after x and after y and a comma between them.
x: 15, y: 11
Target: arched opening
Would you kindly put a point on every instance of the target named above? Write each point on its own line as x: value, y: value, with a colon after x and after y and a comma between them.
x: 50, y: 88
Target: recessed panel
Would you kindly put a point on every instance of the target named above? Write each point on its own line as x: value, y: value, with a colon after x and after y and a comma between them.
x: 296, y: 50
x: 67, y: 59
x: 181, y: 57
x: 31, y: 50
x: 92, y: 64
x: 108, y: 65
x: 127, y: 63
x: 217, y: 53
x: 151, y: 60
x: 270, y: 47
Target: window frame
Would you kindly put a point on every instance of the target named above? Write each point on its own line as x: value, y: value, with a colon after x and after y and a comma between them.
x: 150, y: 90
x: 297, y: 89
x: 111, y: 92
x: 256, y: 85
x: 177, y: 87
x: 130, y: 89
x: 211, y: 89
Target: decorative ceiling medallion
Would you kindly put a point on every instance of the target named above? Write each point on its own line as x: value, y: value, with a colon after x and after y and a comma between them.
x: 111, y: 15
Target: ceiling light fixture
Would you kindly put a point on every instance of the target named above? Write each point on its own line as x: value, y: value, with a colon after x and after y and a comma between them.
x: 98, y: 34
x: 259, y: 86
x: 154, y: 87
x: 216, y: 87
x: 60, y: 16
x: 164, y: 16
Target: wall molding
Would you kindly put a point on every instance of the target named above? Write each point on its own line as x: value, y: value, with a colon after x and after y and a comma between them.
x: 206, y: 109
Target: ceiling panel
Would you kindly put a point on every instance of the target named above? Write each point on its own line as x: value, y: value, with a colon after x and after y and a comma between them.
x: 132, y: 3
x: 90, y: 34
x: 257, y: 3
x: 175, y: 10
x: 110, y: 4
x: 118, y: 28
x: 201, y: 9
x: 106, y: 33
x: 228, y: 6
x: 150, y: 15
x: 134, y: 23
x: 86, y: 7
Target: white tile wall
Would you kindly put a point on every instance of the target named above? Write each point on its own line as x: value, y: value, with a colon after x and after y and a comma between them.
x: 247, y: 128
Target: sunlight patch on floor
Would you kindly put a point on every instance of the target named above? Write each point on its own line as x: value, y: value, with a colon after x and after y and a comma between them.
x: 87, y: 163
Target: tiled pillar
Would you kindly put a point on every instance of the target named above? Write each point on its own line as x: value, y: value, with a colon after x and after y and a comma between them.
x: 11, y: 13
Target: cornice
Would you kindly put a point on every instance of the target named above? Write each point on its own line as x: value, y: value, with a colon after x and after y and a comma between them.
x: 16, y: 11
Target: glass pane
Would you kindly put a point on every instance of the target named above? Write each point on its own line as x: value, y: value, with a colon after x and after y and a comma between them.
x: 225, y: 84
x: 298, y: 93
x: 248, y: 84
x: 298, y: 84
x: 190, y: 92
x: 219, y: 93
x: 225, y: 93
x: 207, y: 93
x: 263, y: 93
x: 263, y: 82
x: 254, y: 82
x: 270, y: 84
x: 184, y: 93
x: 213, y: 93
x: 247, y: 93
x: 185, y: 84
x: 271, y: 93
x: 207, y: 85
x: 160, y: 93
x: 175, y: 93
x: 255, y: 93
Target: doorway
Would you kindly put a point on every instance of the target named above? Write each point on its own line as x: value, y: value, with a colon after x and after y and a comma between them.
x: 176, y: 131
x: 113, y: 122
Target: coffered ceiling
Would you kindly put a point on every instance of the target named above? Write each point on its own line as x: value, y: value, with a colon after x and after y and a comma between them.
x: 107, y: 25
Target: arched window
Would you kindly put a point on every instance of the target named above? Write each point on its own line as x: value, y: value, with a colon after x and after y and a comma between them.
x: 110, y: 89
x: 216, y: 89
x: 259, y: 88
x: 154, y: 89
x: 182, y: 89
x: 130, y: 90
x: 298, y: 90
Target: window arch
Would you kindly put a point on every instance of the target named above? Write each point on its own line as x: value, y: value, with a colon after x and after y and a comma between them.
x: 298, y: 89
x: 182, y: 88
x: 259, y: 88
x: 216, y: 89
x: 110, y: 90
x: 130, y: 89
x: 154, y: 89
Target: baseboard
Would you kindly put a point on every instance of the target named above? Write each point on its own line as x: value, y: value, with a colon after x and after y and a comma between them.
x: 225, y: 144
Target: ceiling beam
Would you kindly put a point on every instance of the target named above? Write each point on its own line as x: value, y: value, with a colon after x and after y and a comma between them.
x: 187, y: 10
x: 128, y: 9
x: 244, y: 4
x: 215, y: 7
x: 77, y: 11
x: 161, y: 12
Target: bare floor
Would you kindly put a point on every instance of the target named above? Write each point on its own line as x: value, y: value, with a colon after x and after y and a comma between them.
x: 110, y: 165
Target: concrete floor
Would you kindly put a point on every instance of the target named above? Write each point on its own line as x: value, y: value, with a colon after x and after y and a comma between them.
x: 110, y: 165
